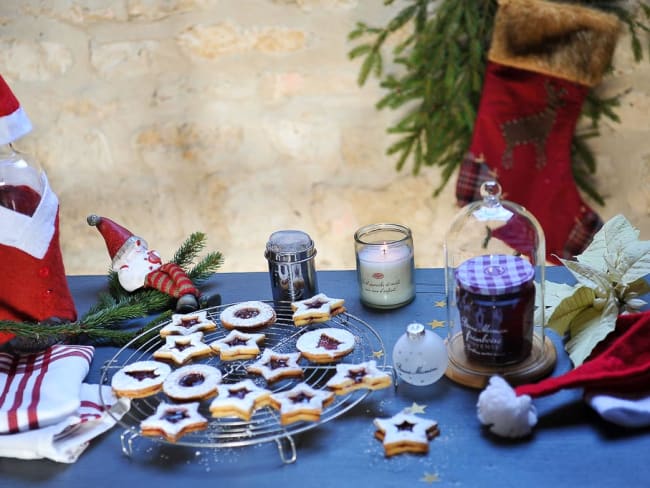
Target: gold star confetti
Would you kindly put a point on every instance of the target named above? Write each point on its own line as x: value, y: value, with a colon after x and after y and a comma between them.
x: 430, y: 477
x: 441, y: 304
x: 436, y: 324
x: 415, y: 408
x: 377, y: 354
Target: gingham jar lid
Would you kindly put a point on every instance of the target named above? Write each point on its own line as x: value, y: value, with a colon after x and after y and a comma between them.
x: 494, y: 274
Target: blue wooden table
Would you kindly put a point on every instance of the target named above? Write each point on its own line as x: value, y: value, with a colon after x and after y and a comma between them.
x: 571, y: 445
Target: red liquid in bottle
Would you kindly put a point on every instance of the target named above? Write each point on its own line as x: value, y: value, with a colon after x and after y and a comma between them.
x: 19, y: 198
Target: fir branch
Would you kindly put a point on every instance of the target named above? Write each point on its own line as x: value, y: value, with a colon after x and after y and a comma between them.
x: 206, y: 267
x: 190, y: 249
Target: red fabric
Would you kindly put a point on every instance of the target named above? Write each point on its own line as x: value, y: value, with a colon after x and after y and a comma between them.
x: 114, y: 235
x: 8, y: 102
x: 172, y: 280
x: 522, y: 137
x: 38, y: 288
x: 619, y: 364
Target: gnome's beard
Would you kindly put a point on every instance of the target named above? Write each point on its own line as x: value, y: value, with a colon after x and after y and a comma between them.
x: 135, y: 266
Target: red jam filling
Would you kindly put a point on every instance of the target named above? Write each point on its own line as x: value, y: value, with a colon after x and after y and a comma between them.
x: 239, y: 393
x: 237, y: 341
x: 329, y: 343
x: 174, y: 415
x: 406, y: 425
x: 315, y: 304
x: 142, y: 374
x: 191, y: 379
x: 247, y: 313
x: 301, y: 397
x: 181, y: 346
x: 189, y: 322
x: 276, y: 363
x: 357, y: 375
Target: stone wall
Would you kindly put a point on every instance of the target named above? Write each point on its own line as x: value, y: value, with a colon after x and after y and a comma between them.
x: 238, y: 118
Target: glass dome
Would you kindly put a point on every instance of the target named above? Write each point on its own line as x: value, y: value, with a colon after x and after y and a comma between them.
x: 494, y: 276
x: 21, y: 181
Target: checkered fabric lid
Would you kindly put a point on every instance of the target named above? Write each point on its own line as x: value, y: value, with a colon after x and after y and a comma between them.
x: 494, y: 274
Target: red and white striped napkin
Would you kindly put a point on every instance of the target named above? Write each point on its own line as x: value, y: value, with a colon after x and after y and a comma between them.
x: 46, y: 411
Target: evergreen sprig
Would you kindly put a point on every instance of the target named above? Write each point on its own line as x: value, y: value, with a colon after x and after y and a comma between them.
x: 102, y: 324
x: 440, y: 67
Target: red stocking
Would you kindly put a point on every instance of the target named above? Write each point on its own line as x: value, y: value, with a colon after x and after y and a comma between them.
x: 543, y: 58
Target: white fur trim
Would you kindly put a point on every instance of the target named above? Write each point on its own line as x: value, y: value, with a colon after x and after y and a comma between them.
x: 32, y: 235
x: 507, y: 414
x: 14, y: 125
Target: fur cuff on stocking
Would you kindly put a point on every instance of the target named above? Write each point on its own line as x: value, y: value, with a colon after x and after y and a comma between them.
x: 557, y: 39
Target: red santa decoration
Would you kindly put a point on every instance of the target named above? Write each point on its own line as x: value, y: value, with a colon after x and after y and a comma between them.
x: 137, y: 266
x: 33, y: 287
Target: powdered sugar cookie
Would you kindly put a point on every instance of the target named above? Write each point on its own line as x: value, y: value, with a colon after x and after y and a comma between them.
x: 247, y: 315
x: 192, y: 382
x: 181, y: 349
x: 319, y: 308
x: 239, y: 400
x: 140, y: 379
x: 302, y: 402
x: 173, y: 421
x: 274, y: 366
x: 350, y: 377
x: 238, y: 345
x: 405, y: 433
x: 185, y: 324
x: 325, y: 345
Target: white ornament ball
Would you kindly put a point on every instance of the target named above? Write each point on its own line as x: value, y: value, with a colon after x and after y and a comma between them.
x: 420, y: 356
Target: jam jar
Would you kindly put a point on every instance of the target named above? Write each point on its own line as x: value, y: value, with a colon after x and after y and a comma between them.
x: 496, y: 302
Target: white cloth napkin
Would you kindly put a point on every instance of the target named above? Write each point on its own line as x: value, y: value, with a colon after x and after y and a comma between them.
x: 46, y: 411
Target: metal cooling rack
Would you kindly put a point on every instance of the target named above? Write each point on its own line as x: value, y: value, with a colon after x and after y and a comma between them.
x: 265, y: 425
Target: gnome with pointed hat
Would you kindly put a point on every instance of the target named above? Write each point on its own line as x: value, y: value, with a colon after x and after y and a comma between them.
x: 29, y: 234
x: 137, y: 266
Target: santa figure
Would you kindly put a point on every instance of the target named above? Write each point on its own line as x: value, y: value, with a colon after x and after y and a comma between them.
x: 33, y: 287
x: 137, y: 266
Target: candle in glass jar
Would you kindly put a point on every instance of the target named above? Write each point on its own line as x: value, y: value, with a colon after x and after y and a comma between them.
x: 385, y: 265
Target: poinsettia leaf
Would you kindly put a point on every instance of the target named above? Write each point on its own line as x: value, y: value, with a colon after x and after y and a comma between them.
x: 640, y: 287
x: 635, y: 261
x: 588, y: 276
x: 607, y: 243
x: 566, y: 311
x: 590, y: 327
x: 554, y: 293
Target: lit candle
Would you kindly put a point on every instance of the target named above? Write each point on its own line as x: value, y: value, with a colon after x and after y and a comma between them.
x: 385, y: 265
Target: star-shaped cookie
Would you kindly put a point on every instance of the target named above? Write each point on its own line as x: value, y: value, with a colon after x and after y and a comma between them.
x: 182, y: 348
x: 274, y: 366
x: 238, y: 345
x: 350, y: 377
x: 239, y: 400
x: 405, y: 433
x: 185, y: 324
x: 302, y: 402
x: 319, y: 308
x: 173, y: 421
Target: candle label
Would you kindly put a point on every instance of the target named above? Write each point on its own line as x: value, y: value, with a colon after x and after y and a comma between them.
x: 387, y: 288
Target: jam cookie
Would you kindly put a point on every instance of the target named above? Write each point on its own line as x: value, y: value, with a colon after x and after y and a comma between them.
x: 350, y: 377
x: 140, y: 379
x: 181, y: 349
x: 247, y: 315
x: 405, y: 433
x: 192, y: 382
x: 239, y: 400
x: 325, y: 345
x: 173, y: 421
x: 274, y: 366
x: 185, y: 324
x: 319, y: 308
x: 238, y: 345
x: 302, y: 402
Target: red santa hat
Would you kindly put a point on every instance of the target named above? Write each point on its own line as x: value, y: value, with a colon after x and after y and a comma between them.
x: 618, y: 367
x: 14, y: 122
x: 119, y: 240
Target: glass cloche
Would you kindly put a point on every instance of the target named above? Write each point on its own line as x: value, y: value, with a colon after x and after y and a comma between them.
x: 494, y: 276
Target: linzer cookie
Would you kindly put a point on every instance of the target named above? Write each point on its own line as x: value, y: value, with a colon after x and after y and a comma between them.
x: 181, y: 349
x: 239, y: 400
x: 185, y: 324
x: 350, y: 377
x: 140, y: 379
x: 319, y: 308
x: 192, y: 382
x: 173, y: 421
x: 405, y: 433
x: 325, y: 345
x: 274, y: 366
x: 302, y: 402
x: 238, y: 345
x: 248, y: 315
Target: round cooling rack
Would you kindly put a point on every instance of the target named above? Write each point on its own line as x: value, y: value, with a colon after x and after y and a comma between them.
x: 264, y: 425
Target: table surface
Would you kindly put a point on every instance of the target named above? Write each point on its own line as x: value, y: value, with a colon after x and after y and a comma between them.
x: 571, y: 445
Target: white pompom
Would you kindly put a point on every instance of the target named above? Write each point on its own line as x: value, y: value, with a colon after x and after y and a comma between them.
x: 507, y: 414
